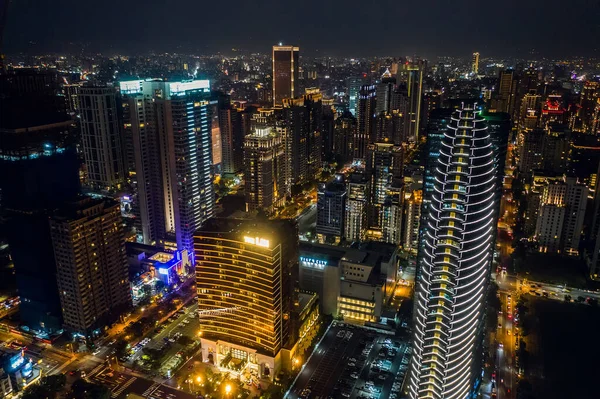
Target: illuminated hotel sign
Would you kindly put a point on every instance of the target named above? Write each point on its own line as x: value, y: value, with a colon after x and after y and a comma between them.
x: 261, y: 242
x: 313, y: 263
x: 162, y: 270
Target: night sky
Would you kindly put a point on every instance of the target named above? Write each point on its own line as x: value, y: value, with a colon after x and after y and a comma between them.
x: 553, y: 28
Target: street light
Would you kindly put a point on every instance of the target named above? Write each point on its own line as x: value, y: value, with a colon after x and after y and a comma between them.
x: 227, y: 389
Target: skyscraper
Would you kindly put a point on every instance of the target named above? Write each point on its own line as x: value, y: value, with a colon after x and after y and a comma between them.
x: 456, y: 262
x: 365, y: 121
x: 353, y: 84
x: 343, y: 131
x: 475, y: 63
x: 93, y: 278
x: 39, y: 171
x: 412, y: 78
x: 331, y: 210
x: 101, y: 138
x: 233, y: 123
x: 285, y: 73
x: 357, y: 203
x: 264, y: 169
x: 506, y: 93
x: 244, y: 276
x: 303, y: 119
x: 170, y: 126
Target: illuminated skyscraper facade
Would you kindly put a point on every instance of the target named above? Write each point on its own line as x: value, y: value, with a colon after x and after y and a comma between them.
x: 455, y: 263
x: 171, y: 133
x: 285, y: 73
x: 244, y: 276
x: 264, y: 169
x: 475, y: 63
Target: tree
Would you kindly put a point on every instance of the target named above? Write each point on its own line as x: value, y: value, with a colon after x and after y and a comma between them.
x: 121, y: 348
x: 82, y: 389
x: 147, y: 290
x: 48, y: 387
x: 184, y: 340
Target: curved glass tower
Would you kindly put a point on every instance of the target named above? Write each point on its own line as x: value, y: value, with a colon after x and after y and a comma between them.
x: 456, y: 262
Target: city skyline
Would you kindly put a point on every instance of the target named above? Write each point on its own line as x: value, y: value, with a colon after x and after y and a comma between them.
x: 491, y: 30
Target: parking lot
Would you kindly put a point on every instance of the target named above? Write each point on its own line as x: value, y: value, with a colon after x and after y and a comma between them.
x: 354, y: 362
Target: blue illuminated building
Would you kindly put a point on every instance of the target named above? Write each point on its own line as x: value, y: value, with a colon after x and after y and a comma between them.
x: 169, y: 266
x: 170, y: 128
x: 19, y: 371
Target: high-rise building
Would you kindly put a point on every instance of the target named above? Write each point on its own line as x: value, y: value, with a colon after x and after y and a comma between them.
x: 285, y: 73
x: 530, y: 150
x: 588, y: 101
x: 561, y: 216
x: 475, y: 63
x: 506, y: 92
x: 413, y: 203
x: 91, y: 264
x: 231, y: 124
x: 171, y: 132
x: 412, y: 78
x: 384, y: 163
x: 456, y: 263
x: 39, y: 171
x: 391, y: 219
x: 264, y: 169
x: 353, y: 84
x: 357, y: 204
x: 245, y: 274
x: 384, y: 93
x: 556, y: 148
x: 101, y: 139
x: 331, y: 210
x: 365, y: 121
x: 303, y: 119
x: 343, y: 131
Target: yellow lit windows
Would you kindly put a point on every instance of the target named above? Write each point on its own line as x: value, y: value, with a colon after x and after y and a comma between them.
x: 451, y: 223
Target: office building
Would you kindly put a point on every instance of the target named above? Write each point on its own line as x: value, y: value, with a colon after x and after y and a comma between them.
x: 353, y: 85
x: 365, y: 121
x: 475, y: 64
x: 384, y: 93
x: 343, y: 131
x: 285, y: 73
x: 264, y: 169
x: 331, y: 210
x: 506, y: 92
x: 170, y: 126
x: 233, y: 122
x: 556, y: 149
x: 391, y: 218
x: 413, y: 203
x: 303, y: 119
x: 384, y: 163
x: 91, y: 265
x: 355, y: 224
x: 455, y: 264
x: 245, y: 273
x: 586, y: 119
x: 39, y: 170
x: 352, y: 283
x: 530, y: 150
x: 101, y: 139
x: 412, y: 79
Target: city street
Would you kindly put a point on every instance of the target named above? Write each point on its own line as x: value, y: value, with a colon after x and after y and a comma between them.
x: 506, y: 348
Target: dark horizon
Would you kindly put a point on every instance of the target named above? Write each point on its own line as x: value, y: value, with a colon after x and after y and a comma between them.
x: 349, y: 29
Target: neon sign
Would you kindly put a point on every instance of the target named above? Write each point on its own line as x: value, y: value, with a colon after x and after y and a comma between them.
x: 313, y: 263
x: 261, y: 242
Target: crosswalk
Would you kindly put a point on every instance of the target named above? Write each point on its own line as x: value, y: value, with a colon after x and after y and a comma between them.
x: 96, y: 370
x: 151, y: 390
x: 116, y: 393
